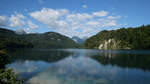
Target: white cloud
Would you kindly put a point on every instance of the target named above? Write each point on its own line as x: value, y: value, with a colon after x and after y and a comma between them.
x: 21, y: 22
x: 50, y: 17
x: 93, y: 23
x: 17, y: 20
x: 27, y: 30
x: 84, y: 6
x: 3, y: 21
x: 114, y: 17
x: 72, y: 23
x: 100, y: 13
x: 32, y: 25
x: 78, y: 17
x: 110, y: 23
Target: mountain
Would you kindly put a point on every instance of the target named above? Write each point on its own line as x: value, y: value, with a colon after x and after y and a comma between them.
x: 9, y: 38
x: 50, y: 40
x: 123, y: 38
x: 20, y: 31
x: 78, y: 39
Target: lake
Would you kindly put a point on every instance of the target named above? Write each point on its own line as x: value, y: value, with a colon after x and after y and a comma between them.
x: 81, y: 66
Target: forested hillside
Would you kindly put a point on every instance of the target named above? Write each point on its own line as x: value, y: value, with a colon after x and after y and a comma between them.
x: 49, y: 40
x: 10, y: 39
x: 123, y: 38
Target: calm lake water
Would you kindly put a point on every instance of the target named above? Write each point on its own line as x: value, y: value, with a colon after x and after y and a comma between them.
x: 81, y: 66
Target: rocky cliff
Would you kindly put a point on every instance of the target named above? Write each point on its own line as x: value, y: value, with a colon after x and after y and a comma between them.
x: 111, y: 44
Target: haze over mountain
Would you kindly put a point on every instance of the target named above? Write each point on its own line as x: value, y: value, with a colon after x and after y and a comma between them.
x: 20, y: 31
x: 79, y: 40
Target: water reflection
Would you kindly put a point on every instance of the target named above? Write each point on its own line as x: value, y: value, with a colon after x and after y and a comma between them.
x: 84, y: 70
x: 48, y: 55
x: 27, y: 69
x: 77, y: 66
x: 79, y: 70
x: 125, y: 59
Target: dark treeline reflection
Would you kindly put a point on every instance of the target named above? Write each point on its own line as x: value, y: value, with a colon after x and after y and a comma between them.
x: 124, y: 59
x: 47, y: 55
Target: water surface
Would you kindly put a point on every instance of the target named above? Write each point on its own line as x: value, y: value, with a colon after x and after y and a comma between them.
x: 81, y: 66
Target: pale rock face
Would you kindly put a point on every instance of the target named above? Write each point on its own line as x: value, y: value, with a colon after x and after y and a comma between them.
x: 110, y: 44
x: 105, y: 44
x: 109, y: 40
x: 100, y: 46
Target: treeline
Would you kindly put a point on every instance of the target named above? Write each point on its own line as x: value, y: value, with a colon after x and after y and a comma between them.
x: 9, y: 39
x: 134, y: 38
x: 49, y: 40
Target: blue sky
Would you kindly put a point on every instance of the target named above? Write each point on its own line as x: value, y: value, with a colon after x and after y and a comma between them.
x: 73, y: 17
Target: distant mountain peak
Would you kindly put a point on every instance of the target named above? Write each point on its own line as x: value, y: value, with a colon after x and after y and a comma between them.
x: 20, y: 31
x: 78, y: 39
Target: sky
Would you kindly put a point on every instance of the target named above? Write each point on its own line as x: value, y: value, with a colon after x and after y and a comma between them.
x: 81, y: 18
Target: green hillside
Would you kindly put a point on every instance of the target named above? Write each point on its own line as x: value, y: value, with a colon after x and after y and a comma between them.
x: 123, y: 38
x: 9, y: 38
x: 50, y: 40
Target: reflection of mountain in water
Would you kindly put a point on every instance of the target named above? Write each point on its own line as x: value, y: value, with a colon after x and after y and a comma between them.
x: 84, y: 70
x: 47, y: 55
x: 124, y: 59
x: 73, y: 70
x: 80, y: 66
